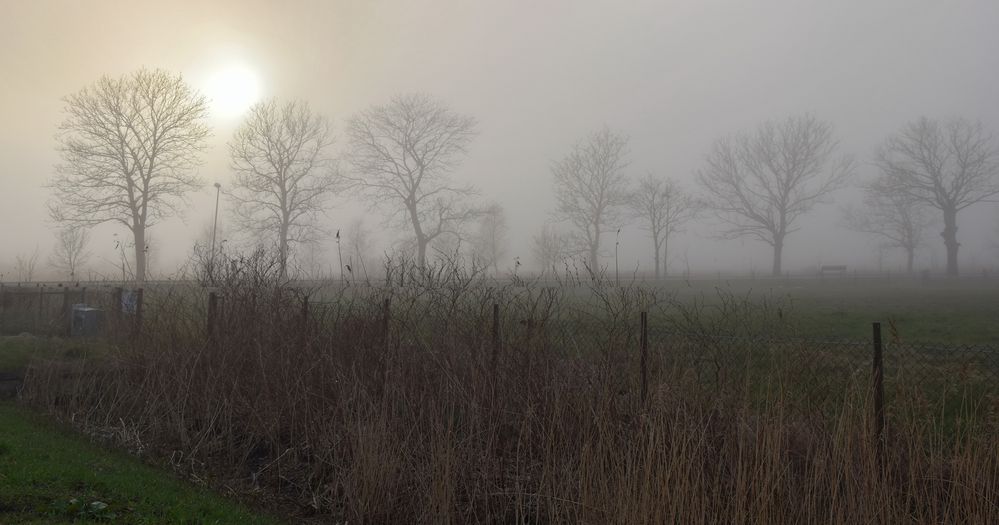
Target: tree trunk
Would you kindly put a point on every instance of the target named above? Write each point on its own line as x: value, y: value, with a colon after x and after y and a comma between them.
x: 655, y: 250
x: 139, y: 236
x: 910, y: 255
x: 421, y: 250
x: 778, y: 252
x: 283, y: 251
x: 666, y: 256
x: 949, y: 235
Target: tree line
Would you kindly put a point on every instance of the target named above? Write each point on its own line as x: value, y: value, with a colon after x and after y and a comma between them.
x: 130, y: 147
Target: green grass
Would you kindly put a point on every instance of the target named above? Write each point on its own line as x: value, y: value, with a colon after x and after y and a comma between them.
x: 49, y: 475
x: 941, y: 311
x: 16, y: 352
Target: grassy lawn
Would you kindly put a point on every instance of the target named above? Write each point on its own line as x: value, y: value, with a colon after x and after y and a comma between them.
x: 951, y: 313
x: 50, y: 475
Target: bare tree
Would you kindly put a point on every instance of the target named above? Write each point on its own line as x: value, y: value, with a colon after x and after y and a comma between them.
x: 70, y: 252
x: 402, y: 155
x: 284, y: 174
x: 894, y: 217
x: 761, y: 183
x: 948, y: 166
x: 550, y: 247
x: 490, y: 240
x: 129, y: 147
x: 663, y: 207
x: 590, y: 188
x: 25, y: 266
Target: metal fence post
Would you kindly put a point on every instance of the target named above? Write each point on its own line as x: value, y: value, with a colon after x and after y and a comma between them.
x: 879, y: 388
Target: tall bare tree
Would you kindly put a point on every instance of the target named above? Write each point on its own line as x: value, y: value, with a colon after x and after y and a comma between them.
x: 490, y: 240
x: 129, y: 147
x: 761, y: 183
x: 590, y: 188
x: 70, y: 252
x: 550, y: 248
x: 896, y: 218
x: 284, y: 174
x: 948, y: 166
x: 402, y: 155
x: 664, y: 208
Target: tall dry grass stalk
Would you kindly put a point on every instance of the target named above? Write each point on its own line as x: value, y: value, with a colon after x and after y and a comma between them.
x: 358, y: 413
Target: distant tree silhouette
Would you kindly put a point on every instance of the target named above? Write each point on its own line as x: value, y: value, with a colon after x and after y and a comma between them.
x: 401, y: 157
x: 284, y: 174
x: 663, y: 207
x: 896, y: 218
x: 591, y: 188
x: 759, y: 184
x: 70, y: 252
x: 948, y: 166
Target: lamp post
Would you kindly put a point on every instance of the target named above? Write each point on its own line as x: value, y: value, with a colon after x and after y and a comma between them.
x: 215, y: 225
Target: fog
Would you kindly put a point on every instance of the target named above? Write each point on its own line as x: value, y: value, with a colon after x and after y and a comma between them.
x: 672, y: 76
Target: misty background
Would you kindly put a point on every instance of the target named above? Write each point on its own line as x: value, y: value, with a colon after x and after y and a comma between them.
x: 538, y: 77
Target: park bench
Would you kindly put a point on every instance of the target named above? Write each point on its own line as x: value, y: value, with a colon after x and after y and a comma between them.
x: 832, y: 268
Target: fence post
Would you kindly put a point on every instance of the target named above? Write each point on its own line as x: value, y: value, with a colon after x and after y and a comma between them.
x: 213, y: 310
x: 3, y: 308
x: 67, y: 311
x: 137, y: 328
x: 116, y: 310
x: 41, y: 307
x: 645, y: 354
x: 496, y: 337
x: 879, y: 388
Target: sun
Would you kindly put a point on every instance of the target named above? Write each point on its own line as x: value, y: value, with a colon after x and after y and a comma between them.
x: 232, y: 90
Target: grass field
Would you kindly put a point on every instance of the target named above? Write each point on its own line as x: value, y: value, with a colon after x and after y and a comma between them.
x: 947, y: 312
x: 50, y: 475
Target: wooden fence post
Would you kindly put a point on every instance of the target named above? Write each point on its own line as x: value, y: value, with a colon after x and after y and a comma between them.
x: 67, y: 311
x: 645, y: 354
x: 116, y: 310
x: 879, y: 388
x: 137, y: 327
x: 41, y: 307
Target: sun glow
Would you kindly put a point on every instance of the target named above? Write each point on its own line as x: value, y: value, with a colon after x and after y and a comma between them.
x: 232, y: 90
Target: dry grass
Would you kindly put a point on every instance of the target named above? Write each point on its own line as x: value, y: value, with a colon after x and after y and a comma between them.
x: 420, y: 423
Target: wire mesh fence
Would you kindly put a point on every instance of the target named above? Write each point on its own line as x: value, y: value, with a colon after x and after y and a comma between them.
x: 650, y: 345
